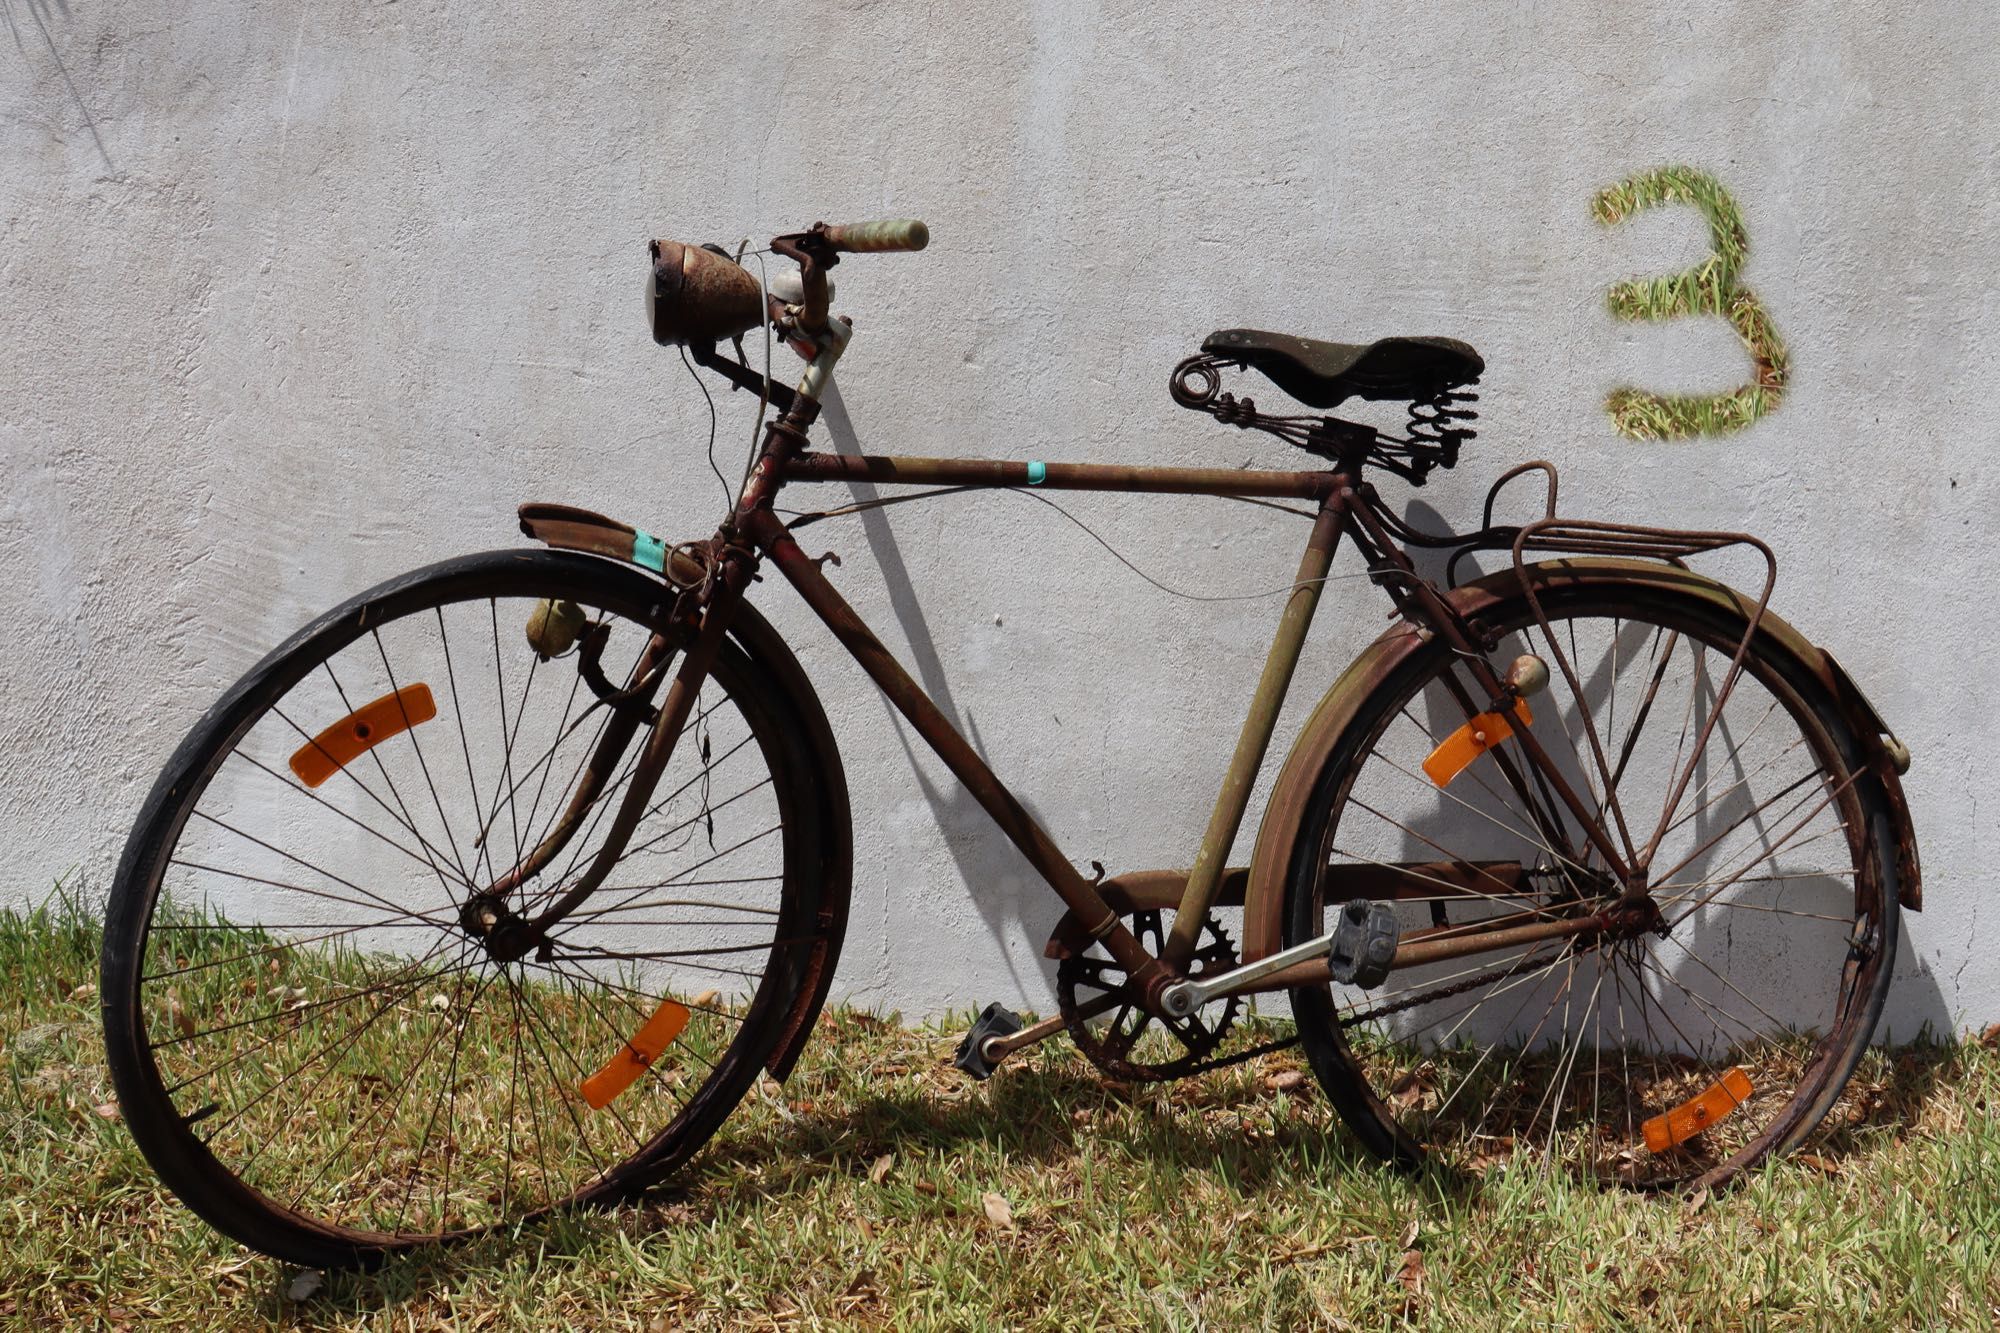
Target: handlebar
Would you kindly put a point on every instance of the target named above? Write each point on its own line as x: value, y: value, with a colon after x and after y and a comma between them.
x: 820, y: 248
x: 873, y: 237
x: 697, y: 294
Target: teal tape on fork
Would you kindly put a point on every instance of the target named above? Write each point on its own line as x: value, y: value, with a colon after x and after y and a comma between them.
x: 1038, y: 472
x: 649, y: 551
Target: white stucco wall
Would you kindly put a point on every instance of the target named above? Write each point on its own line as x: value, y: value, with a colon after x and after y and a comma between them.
x: 298, y: 296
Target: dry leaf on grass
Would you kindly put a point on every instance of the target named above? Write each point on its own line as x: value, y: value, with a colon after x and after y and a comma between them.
x: 861, y: 1291
x: 106, y: 1110
x: 880, y: 1171
x: 1411, y: 1275
x: 1285, y: 1080
x: 1819, y: 1164
x: 998, y: 1211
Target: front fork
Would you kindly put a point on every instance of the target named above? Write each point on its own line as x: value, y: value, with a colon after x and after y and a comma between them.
x: 510, y: 935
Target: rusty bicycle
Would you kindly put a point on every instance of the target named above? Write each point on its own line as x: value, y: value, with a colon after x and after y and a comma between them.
x: 495, y: 889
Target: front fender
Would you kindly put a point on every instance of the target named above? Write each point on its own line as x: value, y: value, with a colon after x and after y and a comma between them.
x: 571, y: 529
x: 1277, y: 834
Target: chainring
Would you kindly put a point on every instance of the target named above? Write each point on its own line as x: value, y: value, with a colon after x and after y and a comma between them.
x: 1110, y: 1042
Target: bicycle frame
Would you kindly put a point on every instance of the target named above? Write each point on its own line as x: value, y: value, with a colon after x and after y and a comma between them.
x: 1347, y: 506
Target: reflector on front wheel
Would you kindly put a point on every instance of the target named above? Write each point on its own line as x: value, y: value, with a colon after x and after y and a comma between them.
x: 361, y: 731
x: 624, y: 1068
x: 1457, y: 751
x: 1692, y: 1117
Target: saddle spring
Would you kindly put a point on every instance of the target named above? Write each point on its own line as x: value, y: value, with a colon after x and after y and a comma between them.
x: 1434, y: 424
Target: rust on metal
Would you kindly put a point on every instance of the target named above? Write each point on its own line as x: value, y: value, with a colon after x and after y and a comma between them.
x: 1485, y: 600
x: 696, y: 295
x: 361, y: 731
x: 568, y: 528
x: 1254, y: 739
x: 1577, y: 537
x: 989, y: 472
x: 674, y: 712
x: 1021, y: 828
x: 1137, y: 891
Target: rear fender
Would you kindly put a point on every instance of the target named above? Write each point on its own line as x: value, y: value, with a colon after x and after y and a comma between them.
x: 1277, y: 835
x: 570, y: 529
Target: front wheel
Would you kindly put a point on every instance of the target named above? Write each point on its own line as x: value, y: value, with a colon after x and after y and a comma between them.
x: 1720, y: 1016
x: 310, y: 1038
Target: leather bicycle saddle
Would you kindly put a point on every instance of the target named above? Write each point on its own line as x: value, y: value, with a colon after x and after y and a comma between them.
x: 1325, y: 375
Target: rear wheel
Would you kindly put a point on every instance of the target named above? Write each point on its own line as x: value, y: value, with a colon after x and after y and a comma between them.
x: 310, y: 1039
x: 1720, y: 1016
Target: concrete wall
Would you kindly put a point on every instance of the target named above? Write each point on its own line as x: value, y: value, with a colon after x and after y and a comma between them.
x: 298, y: 296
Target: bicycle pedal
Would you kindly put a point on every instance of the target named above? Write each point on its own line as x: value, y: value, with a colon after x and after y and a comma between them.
x: 1364, y: 943
x: 993, y: 1021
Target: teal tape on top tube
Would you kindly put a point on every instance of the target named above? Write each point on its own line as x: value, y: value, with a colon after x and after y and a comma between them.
x: 1038, y: 472
x: 649, y: 551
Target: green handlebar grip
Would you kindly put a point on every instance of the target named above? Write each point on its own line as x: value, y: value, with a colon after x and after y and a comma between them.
x: 887, y: 234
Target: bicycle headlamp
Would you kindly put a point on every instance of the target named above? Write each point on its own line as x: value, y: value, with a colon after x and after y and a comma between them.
x: 694, y: 294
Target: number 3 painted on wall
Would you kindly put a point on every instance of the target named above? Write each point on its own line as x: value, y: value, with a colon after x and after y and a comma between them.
x: 1709, y: 288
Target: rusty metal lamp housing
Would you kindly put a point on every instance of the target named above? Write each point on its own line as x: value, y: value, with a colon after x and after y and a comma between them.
x: 695, y: 295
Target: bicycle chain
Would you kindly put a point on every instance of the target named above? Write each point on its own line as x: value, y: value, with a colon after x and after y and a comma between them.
x: 1189, y: 1068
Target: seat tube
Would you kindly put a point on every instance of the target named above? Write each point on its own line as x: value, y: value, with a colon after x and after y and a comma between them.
x: 1255, y: 738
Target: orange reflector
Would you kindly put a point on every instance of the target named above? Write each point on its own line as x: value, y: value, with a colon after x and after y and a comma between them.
x: 1692, y: 1117
x: 1472, y: 740
x: 624, y: 1068
x: 361, y: 731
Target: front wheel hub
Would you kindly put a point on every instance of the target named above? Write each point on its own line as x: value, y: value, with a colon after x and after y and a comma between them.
x: 505, y: 934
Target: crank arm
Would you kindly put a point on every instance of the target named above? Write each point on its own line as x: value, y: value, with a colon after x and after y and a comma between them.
x: 996, y: 1049
x: 1189, y: 994
x: 1306, y: 964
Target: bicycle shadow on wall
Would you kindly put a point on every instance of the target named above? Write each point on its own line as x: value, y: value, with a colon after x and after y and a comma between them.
x: 1752, y: 872
x: 1003, y: 888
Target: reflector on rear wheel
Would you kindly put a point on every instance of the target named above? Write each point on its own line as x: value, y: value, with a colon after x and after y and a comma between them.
x: 1457, y: 751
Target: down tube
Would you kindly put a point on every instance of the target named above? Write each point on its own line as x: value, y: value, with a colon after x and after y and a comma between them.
x: 1079, y: 894
x: 1255, y: 738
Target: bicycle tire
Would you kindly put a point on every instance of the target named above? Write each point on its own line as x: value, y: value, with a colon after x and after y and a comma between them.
x: 578, y: 994
x: 1412, y: 1088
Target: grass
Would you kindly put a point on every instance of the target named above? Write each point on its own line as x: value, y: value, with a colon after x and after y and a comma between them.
x: 1709, y: 288
x: 879, y: 1188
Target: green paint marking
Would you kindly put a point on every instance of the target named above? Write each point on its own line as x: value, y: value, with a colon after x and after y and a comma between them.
x: 1038, y: 472
x: 649, y: 551
x: 1709, y: 288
